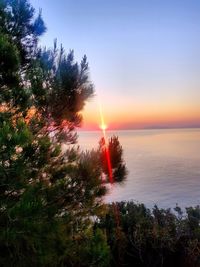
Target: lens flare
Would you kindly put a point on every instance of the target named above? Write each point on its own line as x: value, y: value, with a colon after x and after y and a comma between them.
x: 103, y: 127
x: 109, y: 164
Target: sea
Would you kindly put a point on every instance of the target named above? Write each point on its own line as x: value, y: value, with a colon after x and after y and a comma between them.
x: 163, y: 166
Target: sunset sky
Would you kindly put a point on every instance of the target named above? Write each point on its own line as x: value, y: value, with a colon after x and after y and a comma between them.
x: 144, y: 58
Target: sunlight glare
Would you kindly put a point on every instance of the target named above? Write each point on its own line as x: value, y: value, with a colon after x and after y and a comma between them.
x: 103, y: 126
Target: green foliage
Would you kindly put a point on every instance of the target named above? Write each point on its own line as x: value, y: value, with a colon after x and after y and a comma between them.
x: 60, y: 87
x: 88, y: 249
x: 112, y: 149
x: 18, y: 22
x: 49, y: 196
x: 157, y: 237
x: 9, y: 62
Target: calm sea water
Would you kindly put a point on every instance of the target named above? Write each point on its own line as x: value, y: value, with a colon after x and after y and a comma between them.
x: 163, y: 165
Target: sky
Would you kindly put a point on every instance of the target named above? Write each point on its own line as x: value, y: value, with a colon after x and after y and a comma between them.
x: 144, y: 58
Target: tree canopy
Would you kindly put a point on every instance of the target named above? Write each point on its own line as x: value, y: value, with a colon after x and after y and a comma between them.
x: 48, y: 195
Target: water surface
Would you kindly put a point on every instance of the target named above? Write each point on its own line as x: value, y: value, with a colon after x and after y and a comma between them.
x: 163, y: 165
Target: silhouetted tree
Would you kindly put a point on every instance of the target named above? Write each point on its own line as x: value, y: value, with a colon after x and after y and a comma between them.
x: 113, y: 149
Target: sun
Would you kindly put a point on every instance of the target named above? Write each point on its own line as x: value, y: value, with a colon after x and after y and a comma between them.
x: 103, y: 126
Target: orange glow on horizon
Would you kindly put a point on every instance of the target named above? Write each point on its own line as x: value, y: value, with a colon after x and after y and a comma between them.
x: 140, y: 116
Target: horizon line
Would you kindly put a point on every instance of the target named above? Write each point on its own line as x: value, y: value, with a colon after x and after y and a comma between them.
x: 144, y: 128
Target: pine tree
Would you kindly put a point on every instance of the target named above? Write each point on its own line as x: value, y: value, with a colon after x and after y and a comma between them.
x: 48, y: 196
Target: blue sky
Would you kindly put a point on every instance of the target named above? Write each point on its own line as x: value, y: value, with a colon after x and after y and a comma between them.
x: 144, y: 57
